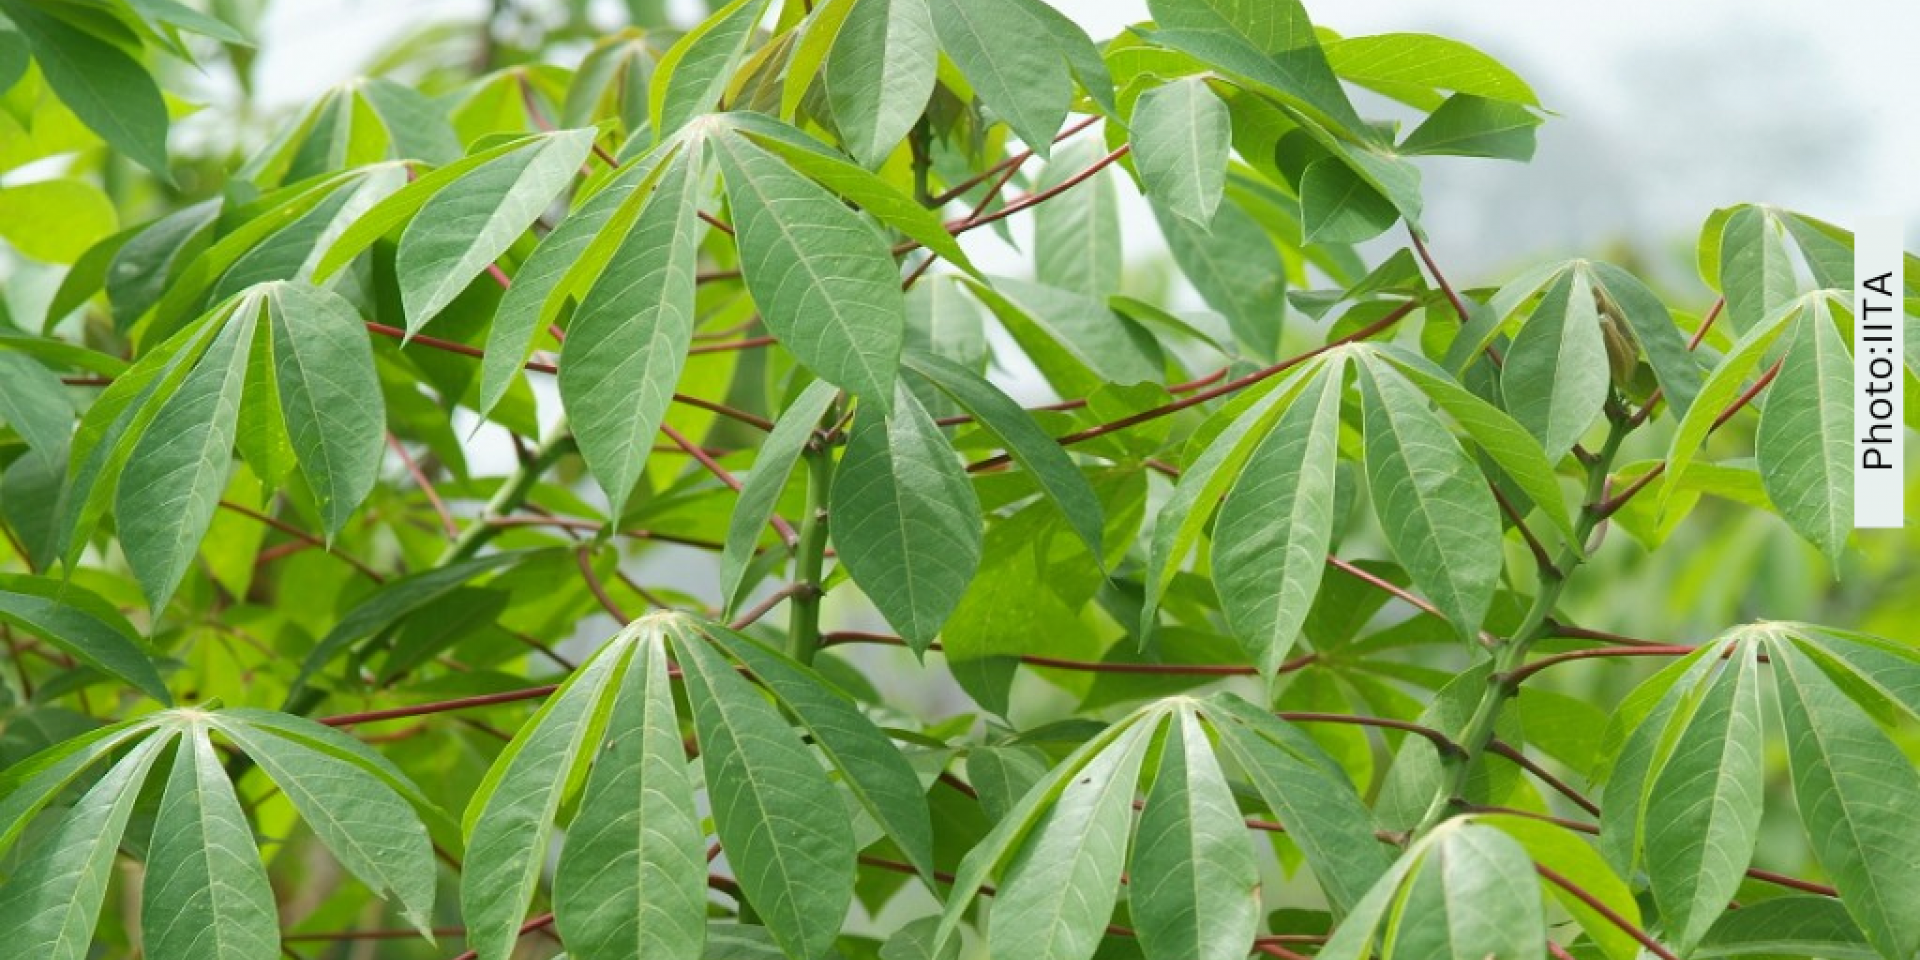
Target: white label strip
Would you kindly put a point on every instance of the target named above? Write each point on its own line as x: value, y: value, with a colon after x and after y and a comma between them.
x: 1879, y: 442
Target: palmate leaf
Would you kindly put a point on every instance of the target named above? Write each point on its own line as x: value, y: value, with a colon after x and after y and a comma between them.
x: 821, y: 275
x: 1181, y: 133
x: 785, y: 832
x: 82, y: 624
x: 474, y: 219
x: 628, y: 340
x: 1555, y: 378
x: 563, y: 267
x: 1076, y: 235
x: 178, y: 466
x: 1703, y: 808
x: 1432, y: 504
x: 1724, y: 384
x: 1196, y: 892
x: 773, y: 806
x: 871, y: 766
x: 629, y: 883
x: 1061, y: 887
x: 105, y: 87
x: 906, y: 522
x: 879, y: 74
x: 760, y: 492
x: 1755, y: 274
x: 1270, y: 542
x: 1007, y: 53
x: 1859, y: 797
x: 205, y: 892
x: 329, y: 395
x: 49, y: 906
x: 1805, y: 441
x: 1030, y: 446
x: 1179, y: 523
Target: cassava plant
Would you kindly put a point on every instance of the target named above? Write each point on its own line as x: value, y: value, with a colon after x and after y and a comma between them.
x: 609, y: 439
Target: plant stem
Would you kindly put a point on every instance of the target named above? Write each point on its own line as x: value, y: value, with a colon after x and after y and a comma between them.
x: 1511, y: 655
x: 509, y: 497
x: 803, y: 635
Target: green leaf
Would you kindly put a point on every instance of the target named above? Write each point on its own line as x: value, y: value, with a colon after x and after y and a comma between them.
x: 55, y: 220
x: 822, y: 276
x: 1178, y: 524
x: 385, y: 606
x: 1411, y: 66
x: 1270, y: 542
x: 1338, y: 205
x: 780, y: 821
x: 1471, y: 126
x: 206, y: 894
x: 1555, y: 379
x: 1181, y: 134
x: 760, y: 492
x: 1502, y: 439
x: 869, y: 763
x: 179, y: 464
x: 324, y: 375
x: 1030, y: 446
x: 1322, y: 814
x: 869, y: 191
x: 906, y: 521
x: 1236, y: 269
x: 1296, y: 77
x: 473, y: 220
x: 1858, y: 796
x: 1722, y: 386
x: 83, y: 624
x: 1473, y: 896
x: 631, y: 877
x: 1078, y: 342
x: 35, y: 405
x: 1060, y: 889
x: 1196, y: 888
x: 1794, y: 926
x: 563, y: 266
x: 1433, y: 504
x: 1755, y: 274
x: 28, y: 786
x: 52, y: 900
x: 1012, y: 830
x: 402, y: 204
x: 107, y: 89
x: 508, y: 820
x: 370, y: 829
x: 1270, y: 27
x: 118, y: 417
x: 693, y: 74
x: 1572, y: 857
x: 1703, y: 807
x: 879, y: 75
x: 1076, y: 234
x: 628, y: 340
x: 1674, y: 366
x: 1008, y: 55
x: 1805, y: 441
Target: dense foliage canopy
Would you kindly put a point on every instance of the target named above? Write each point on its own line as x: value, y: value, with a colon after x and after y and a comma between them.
x: 608, y: 438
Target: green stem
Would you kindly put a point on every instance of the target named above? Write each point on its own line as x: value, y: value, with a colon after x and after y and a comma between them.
x: 511, y: 495
x: 803, y: 635
x: 1511, y: 655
